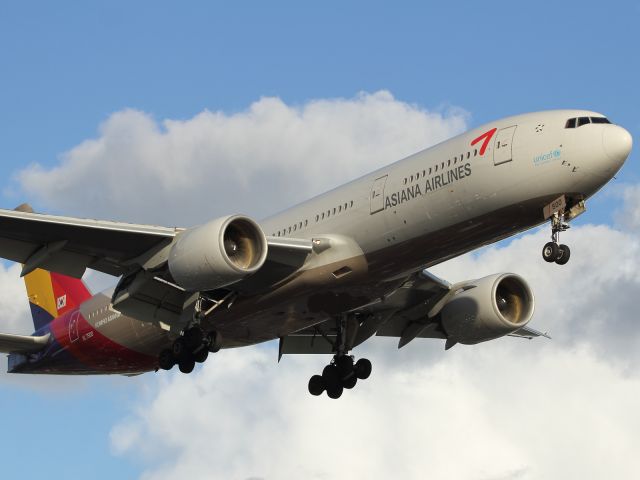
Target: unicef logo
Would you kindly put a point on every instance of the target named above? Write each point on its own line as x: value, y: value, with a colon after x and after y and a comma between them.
x: 557, y: 153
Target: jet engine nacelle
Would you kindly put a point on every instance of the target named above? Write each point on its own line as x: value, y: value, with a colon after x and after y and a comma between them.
x: 218, y: 253
x: 488, y: 308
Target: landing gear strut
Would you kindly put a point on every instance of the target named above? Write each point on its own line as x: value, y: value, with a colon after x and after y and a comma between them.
x: 343, y: 372
x: 552, y: 252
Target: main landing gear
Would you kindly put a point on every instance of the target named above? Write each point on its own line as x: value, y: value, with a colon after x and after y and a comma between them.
x: 190, y: 348
x: 552, y: 252
x: 343, y: 372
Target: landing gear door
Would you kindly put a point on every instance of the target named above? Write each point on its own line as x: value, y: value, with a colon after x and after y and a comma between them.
x: 503, y: 145
x: 377, y: 194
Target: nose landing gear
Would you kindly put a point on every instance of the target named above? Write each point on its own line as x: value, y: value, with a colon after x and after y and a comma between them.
x: 552, y: 252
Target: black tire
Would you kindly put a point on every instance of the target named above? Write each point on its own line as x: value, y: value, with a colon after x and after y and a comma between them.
x: 179, y: 348
x: 564, y: 253
x: 193, y: 338
x: 335, y: 392
x: 201, y: 355
x: 330, y: 376
x: 215, y: 341
x: 350, y: 382
x: 363, y: 368
x: 187, y: 365
x: 344, y: 363
x: 316, y: 385
x: 166, y: 360
x: 550, y: 252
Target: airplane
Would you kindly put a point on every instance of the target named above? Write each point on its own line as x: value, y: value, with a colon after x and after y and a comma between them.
x: 323, y: 276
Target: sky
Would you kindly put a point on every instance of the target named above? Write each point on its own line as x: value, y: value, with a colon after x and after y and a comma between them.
x: 173, y: 114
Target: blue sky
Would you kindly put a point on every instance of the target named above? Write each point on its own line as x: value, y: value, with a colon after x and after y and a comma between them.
x: 65, y: 67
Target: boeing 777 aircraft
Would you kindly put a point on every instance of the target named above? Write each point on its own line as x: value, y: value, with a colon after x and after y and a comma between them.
x: 323, y: 276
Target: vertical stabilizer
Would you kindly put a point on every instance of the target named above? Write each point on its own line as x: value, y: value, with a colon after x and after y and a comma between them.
x: 53, y: 294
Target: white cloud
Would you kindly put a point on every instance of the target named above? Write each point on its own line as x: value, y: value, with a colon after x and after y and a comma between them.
x: 256, y: 161
x: 561, y: 408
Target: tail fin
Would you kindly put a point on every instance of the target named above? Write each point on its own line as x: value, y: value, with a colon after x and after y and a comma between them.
x: 53, y: 294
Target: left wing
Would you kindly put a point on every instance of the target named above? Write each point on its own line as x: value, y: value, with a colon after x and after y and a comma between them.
x: 71, y: 245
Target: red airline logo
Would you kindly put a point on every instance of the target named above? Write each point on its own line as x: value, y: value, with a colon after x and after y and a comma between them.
x: 486, y: 137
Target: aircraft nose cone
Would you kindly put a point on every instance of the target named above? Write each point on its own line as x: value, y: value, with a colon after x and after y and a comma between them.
x: 616, y: 142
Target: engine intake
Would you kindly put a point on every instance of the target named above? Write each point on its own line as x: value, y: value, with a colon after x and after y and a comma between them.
x: 488, y: 308
x: 218, y: 253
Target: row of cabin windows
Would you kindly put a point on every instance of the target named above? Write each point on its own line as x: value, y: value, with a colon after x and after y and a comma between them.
x: 442, y: 166
x: 319, y: 217
x: 96, y: 312
x: 580, y: 121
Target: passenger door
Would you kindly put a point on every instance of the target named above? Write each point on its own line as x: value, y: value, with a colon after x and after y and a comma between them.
x: 377, y: 194
x: 503, y: 145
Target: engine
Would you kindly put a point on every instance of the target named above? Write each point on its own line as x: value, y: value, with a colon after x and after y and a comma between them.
x: 218, y: 253
x: 488, y: 308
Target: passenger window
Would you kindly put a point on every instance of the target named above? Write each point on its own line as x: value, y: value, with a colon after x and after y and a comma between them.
x: 334, y: 210
x: 429, y: 170
x: 352, y: 203
x: 405, y: 180
x: 289, y: 229
x: 571, y: 123
x: 345, y: 205
x: 295, y: 227
x: 340, y: 208
x: 468, y: 155
x: 583, y: 121
x: 475, y: 152
x: 436, y: 167
x: 412, y: 178
x: 448, y: 163
x: 424, y: 173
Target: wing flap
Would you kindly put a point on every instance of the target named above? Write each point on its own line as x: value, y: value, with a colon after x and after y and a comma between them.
x: 10, y: 343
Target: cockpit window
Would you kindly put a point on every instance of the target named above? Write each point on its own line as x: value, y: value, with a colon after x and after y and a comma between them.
x: 583, y: 121
x: 580, y: 121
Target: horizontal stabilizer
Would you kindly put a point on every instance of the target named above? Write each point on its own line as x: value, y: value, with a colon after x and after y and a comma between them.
x: 22, y: 343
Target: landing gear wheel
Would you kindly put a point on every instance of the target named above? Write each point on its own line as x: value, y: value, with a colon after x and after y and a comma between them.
x: 335, y: 391
x: 193, y: 338
x: 350, y: 382
x: 186, y: 365
x: 564, y: 253
x: 550, y: 252
x: 201, y: 355
x: 363, y: 369
x: 215, y: 341
x: 179, y: 348
x: 344, y: 363
x: 166, y: 360
x: 316, y: 385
